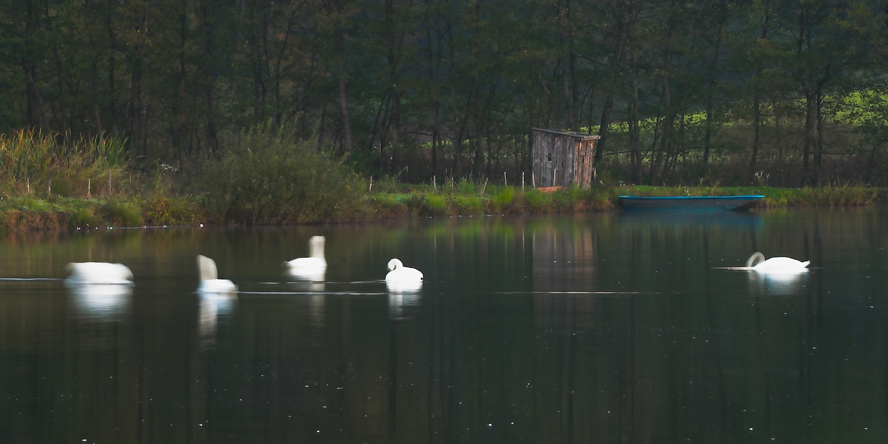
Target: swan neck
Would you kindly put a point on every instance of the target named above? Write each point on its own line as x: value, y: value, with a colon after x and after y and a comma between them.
x: 755, y: 259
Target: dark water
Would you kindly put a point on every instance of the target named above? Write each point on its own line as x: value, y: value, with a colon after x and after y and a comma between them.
x: 613, y: 328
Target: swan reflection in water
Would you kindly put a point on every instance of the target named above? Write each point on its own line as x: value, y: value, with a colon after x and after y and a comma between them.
x: 398, y: 301
x: 784, y: 283
x: 212, y: 307
x: 100, y: 300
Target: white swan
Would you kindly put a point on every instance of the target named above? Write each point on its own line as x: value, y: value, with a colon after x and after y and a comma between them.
x: 402, y: 278
x: 209, y: 280
x: 758, y: 263
x: 310, y: 268
x: 99, y: 273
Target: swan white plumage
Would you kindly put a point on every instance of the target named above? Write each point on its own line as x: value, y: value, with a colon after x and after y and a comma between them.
x: 402, y: 278
x: 310, y: 268
x: 98, y: 273
x: 209, y: 278
x: 758, y: 263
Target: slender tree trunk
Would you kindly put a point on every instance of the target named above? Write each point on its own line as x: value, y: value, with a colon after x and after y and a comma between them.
x: 757, y: 94
x: 179, y: 135
x: 810, y: 175
x: 604, y: 127
x: 210, y: 117
x: 710, y: 88
x: 757, y: 127
x: 343, y: 98
x: 112, y: 43
x: 634, y: 136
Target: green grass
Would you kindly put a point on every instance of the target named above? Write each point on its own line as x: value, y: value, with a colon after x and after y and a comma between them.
x: 29, y: 212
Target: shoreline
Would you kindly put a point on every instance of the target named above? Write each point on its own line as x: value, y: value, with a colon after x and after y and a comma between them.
x: 29, y: 213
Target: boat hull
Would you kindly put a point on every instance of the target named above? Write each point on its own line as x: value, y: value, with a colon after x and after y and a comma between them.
x: 692, y: 203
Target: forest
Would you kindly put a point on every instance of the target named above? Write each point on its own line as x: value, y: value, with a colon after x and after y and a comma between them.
x: 711, y: 92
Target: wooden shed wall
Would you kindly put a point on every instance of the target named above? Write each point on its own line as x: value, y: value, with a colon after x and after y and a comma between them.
x: 572, y: 157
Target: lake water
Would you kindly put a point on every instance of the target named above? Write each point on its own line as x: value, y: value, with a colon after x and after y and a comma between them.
x: 597, y: 328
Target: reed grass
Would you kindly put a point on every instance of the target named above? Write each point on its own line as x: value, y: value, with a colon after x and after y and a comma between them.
x: 35, y: 163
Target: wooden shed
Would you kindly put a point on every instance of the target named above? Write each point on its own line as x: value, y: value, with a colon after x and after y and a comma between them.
x: 562, y: 158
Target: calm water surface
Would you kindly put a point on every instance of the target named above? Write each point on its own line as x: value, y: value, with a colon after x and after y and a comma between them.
x: 613, y: 328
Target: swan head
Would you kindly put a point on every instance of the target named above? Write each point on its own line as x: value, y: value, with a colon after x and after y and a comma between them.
x: 394, y: 263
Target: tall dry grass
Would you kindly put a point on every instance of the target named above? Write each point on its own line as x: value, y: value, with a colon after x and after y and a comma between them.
x: 36, y: 163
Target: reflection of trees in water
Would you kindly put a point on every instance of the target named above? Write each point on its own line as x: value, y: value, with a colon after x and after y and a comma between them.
x: 563, y: 267
x: 699, y: 360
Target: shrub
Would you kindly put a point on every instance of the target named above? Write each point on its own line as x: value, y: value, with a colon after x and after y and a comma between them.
x: 466, y: 186
x: 162, y: 210
x: 468, y: 204
x: 502, y: 200
x: 121, y: 213
x: 535, y: 200
x: 83, y: 217
x: 389, y: 205
x: 268, y: 177
x: 435, y: 204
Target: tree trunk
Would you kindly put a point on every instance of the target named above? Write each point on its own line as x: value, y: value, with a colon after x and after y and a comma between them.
x: 604, y: 127
x: 210, y: 117
x: 710, y: 87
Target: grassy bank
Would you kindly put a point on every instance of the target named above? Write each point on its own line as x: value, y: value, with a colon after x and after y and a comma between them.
x: 24, y: 213
x: 267, y: 176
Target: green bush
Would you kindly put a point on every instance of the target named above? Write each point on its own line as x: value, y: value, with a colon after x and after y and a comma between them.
x: 470, y: 204
x: 162, y: 210
x: 267, y: 176
x: 466, y: 186
x: 435, y: 204
x: 536, y: 200
x: 83, y: 217
x: 503, y: 199
x: 121, y: 213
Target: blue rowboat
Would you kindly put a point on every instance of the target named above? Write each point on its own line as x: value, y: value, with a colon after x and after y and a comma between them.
x: 696, y: 203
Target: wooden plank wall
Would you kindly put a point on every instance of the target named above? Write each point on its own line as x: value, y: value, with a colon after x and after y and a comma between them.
x: 571, y: 160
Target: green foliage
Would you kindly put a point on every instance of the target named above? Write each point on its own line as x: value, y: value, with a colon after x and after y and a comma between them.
x: 468, y: 204
x: 389, y: 204
x: 503, y: 200
x: 536, y: 200
x: 83, y: 217
x: 162, y: 210
x: 435, y: 204
x: 121, y: 213
x: 267, y: 176
x: 466, y: 187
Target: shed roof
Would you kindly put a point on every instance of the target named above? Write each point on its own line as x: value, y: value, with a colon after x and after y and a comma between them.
x: 580, y: 136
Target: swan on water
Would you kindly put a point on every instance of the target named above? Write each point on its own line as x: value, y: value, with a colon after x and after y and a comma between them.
x: 310, y: 268
x: 97, y: 273
x: 402, y: 278
x: 757, y: 262
x: 209, y: 278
